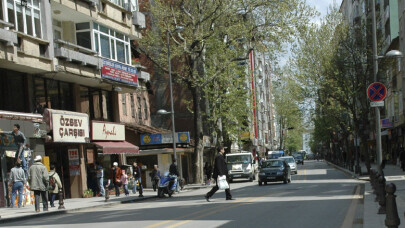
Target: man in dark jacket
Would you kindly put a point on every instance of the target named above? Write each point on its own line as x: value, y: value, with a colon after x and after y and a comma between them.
x: 136, y: 173
x: 220, y: 169
x: 174, y: 171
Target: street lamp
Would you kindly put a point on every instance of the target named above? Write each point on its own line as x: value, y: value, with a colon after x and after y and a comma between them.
x: 163, y: 112
x: 390, y: 54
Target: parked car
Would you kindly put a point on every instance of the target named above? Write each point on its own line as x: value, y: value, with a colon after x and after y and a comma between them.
x: 299, y: 159
x: 274, y: 170
x: 291, y: 162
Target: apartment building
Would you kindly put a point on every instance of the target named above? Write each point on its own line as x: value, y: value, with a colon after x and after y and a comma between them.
x: 67, y: 62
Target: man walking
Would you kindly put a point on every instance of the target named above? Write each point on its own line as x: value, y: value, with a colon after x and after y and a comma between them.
x: 220, y: 169
x: 174, y: 171
x: 155, y: 176
x: 57, y: 182
x: 39, y: 181
x: 136, y: 173
x: 17, y: 178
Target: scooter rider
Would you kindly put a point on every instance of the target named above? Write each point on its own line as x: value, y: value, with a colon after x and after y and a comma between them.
x: 173, y: 171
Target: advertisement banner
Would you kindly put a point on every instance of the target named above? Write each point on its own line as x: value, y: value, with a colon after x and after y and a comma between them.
x: 386, y: 123
x: 7, y: 142
x: 74, y: 162
x: 107, y: 131
x: 167, y: 138
x: 70, y: 127
x: 119, y: 72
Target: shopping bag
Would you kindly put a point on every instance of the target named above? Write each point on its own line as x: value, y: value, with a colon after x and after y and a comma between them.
x: 222, y: 183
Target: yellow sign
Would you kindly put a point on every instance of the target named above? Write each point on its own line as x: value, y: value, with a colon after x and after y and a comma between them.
x: 183, y: 137
x: 45, y: 161
x: 147, y: 139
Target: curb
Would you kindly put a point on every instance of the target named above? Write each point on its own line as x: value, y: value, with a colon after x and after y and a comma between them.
x: 353, y: 175
x: 58, y: 212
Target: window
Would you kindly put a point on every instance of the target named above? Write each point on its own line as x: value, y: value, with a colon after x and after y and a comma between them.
x: 103, y: 7
x: 131, y: 96
x: 25, y: 19
x: 145, y: 111
x: 52, y: 94
x: 111, y: 44
x: 83, y: 35
x: 139, y: 108
x: 124, y: 104
x: 99, y: 107
x: 42, y: 49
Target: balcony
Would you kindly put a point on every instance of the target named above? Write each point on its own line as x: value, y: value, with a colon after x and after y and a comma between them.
x: 74, y: 53
x: 7, y: 36
x: 138, y: 19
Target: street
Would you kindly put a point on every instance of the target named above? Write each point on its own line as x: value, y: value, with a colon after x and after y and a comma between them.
x: 318, y: 196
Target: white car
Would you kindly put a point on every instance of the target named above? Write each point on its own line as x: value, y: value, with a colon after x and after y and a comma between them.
x: 291, y: 162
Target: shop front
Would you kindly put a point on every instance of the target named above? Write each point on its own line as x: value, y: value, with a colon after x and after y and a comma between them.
x: 31, y: 125
x: 66, y: 148
x: 108, y: 146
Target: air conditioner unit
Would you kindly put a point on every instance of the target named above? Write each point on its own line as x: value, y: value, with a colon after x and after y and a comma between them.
x: 138, y: 19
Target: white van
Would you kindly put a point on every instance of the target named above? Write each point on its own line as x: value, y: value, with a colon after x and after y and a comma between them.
x: 241, y: 166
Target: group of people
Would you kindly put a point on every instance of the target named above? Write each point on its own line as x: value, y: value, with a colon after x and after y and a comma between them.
x: 39, y: 182
x: 36, y: 176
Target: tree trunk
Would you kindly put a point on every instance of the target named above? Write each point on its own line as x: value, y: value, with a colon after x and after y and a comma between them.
x: 198, y: 136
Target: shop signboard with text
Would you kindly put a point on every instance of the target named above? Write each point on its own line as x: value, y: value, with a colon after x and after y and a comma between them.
x: 74, y: 162
x: 167, y: 138
x: 106, y: 131
x: 119, y: 72
x: 70, y: 127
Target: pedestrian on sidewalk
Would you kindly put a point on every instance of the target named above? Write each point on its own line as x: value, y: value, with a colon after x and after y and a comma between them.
x: 17, y: 178
x: 402, y: 158
x: 39, y: 181
x: 136, y: 173
x: 174, y: 171
x: 20, y: 141
x: 208, y: 173
x: 155, y: 177
x: 220, y: 169
x: 100, y: 178
x: 115, y: 176
x: 58, y: 184
x: 124, y: 181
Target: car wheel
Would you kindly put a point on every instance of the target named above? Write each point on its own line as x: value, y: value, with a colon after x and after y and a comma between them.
x: 251, y: 179
x: 260, y: 183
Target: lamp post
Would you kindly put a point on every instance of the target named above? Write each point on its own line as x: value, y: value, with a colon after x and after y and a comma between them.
x: 390, y: 54
x: 177, y: 29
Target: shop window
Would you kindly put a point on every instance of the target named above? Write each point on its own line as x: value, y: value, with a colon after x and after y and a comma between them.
x: 131, y: 96
x: 52, y: 94
x: 139, y: 108
x: 124, y: 104
x: 145, y: 106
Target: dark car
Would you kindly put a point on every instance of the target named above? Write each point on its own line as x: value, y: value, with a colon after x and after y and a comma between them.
x: 274, y: 170
x: 299, y: 159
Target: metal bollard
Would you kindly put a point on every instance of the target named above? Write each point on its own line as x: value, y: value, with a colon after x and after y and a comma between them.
x: 391, y: 219
x: 61, y: 203
x: 381, y: 198
x: 107, y: 193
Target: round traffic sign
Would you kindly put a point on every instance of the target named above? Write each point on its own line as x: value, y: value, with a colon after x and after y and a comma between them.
x: 376, y: 91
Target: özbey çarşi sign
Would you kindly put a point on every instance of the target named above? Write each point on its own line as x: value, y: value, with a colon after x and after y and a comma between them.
x: 70, y: 128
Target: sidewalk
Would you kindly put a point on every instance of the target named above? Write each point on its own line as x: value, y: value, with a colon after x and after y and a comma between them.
x: 77, y: 204
x: 393, y: 174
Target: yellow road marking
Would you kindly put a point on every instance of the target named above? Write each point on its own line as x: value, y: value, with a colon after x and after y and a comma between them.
x: 219, y: 207
x: 349, y: 218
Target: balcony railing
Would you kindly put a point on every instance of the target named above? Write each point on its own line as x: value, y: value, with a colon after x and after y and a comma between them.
x: 76, y: 53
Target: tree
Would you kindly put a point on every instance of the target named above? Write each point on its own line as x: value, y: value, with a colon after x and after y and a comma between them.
x: 212, y: 28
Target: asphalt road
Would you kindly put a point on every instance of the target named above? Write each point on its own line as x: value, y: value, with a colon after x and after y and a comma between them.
x: 318, y: 196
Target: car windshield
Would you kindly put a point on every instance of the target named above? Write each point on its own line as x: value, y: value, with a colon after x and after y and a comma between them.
x: 238, y: 159
x: 269, y: 164
x: 299, y: 157
x: 289, y: 160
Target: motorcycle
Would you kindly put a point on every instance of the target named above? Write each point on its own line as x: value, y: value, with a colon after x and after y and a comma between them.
x: 167, y: 185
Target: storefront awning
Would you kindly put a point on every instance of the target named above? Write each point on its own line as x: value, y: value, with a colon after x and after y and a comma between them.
x: 123, y: 147
x: 164, y: 151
